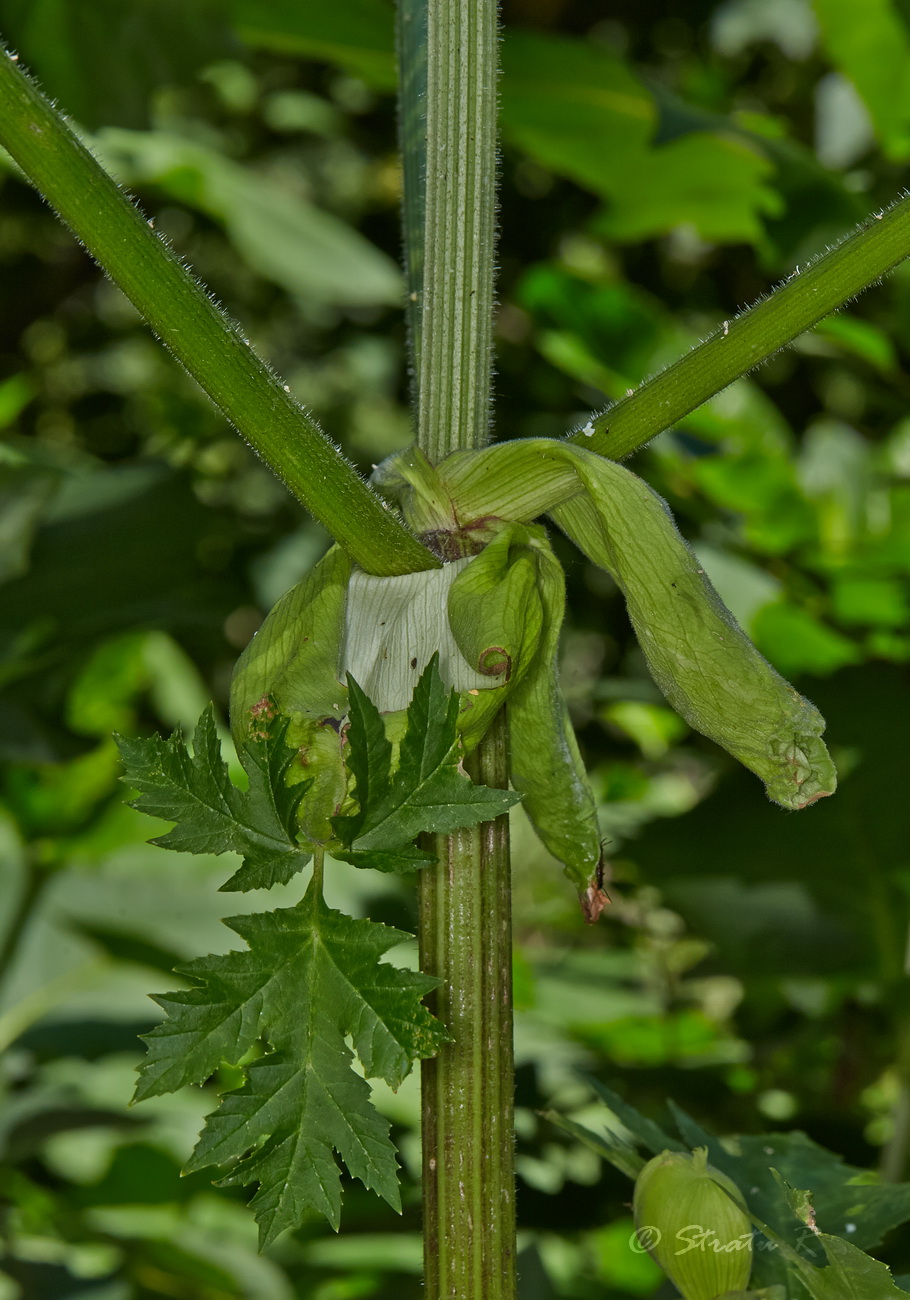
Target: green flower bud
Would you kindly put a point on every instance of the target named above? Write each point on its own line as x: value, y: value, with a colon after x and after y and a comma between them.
x: 693, y: 1220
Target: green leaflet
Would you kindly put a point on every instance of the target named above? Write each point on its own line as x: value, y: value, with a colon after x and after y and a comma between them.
x: 212, y: 815
x: 704, y: 663
x: 427, y: 791
x: 293, y: 664
x: 309, y: 979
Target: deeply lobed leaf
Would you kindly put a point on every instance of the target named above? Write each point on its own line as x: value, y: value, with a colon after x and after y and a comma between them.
x: 212, y: 815
x: 427, y: 792
x: 310, y: 978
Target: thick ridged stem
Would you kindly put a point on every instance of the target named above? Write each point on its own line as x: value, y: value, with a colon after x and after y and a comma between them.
x: 453, y: 379
x: 466, y: 939
x: 465, y: 913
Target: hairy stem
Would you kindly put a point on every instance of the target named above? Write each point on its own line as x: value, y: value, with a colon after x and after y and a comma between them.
x: 198, y: 333
x: 811, y: 293
x: 453, y: 377
x: 466, y: 939
x: 465, y: 917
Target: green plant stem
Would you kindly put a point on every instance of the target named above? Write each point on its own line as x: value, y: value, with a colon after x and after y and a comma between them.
x: 453, y: 379
x: 465, y: 939
x: 200, y: 336
x: 811, y: 293
x: 318, y: 868
x: 465, y: 914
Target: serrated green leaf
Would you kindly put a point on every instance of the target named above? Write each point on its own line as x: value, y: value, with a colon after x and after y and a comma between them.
x: 850, y: 1274
x: 621, y: 1154
x: 311, y: 978
x: 211, y: 814
x: 369, y: 759
x: 649, y: 1134
x: 300, y: 1112
x: 872, y: 1209
x: 841, y: 1199
x: 428, y: 791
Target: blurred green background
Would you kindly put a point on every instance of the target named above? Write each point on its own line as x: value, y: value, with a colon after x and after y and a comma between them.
x: 662, y: 166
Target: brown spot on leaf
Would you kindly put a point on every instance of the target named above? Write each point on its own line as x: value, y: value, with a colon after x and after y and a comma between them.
x: 495, y: 661
x: 264, y: 708
x: 822, y: 794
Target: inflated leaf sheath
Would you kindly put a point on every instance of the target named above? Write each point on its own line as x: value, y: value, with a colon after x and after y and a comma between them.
x: 546, y: 766
x: 702, y: 660
x: 496, y: 615
x: 698, y: 654
x: 394, y: 627
x: 292, y: 666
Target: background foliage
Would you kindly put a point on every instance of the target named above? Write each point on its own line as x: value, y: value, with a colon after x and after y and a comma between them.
x: 659, y: 170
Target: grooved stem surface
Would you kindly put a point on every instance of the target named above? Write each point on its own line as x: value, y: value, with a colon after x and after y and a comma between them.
x: 449, y: 139
x: 459, y: 235
x: 468, y: 1108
